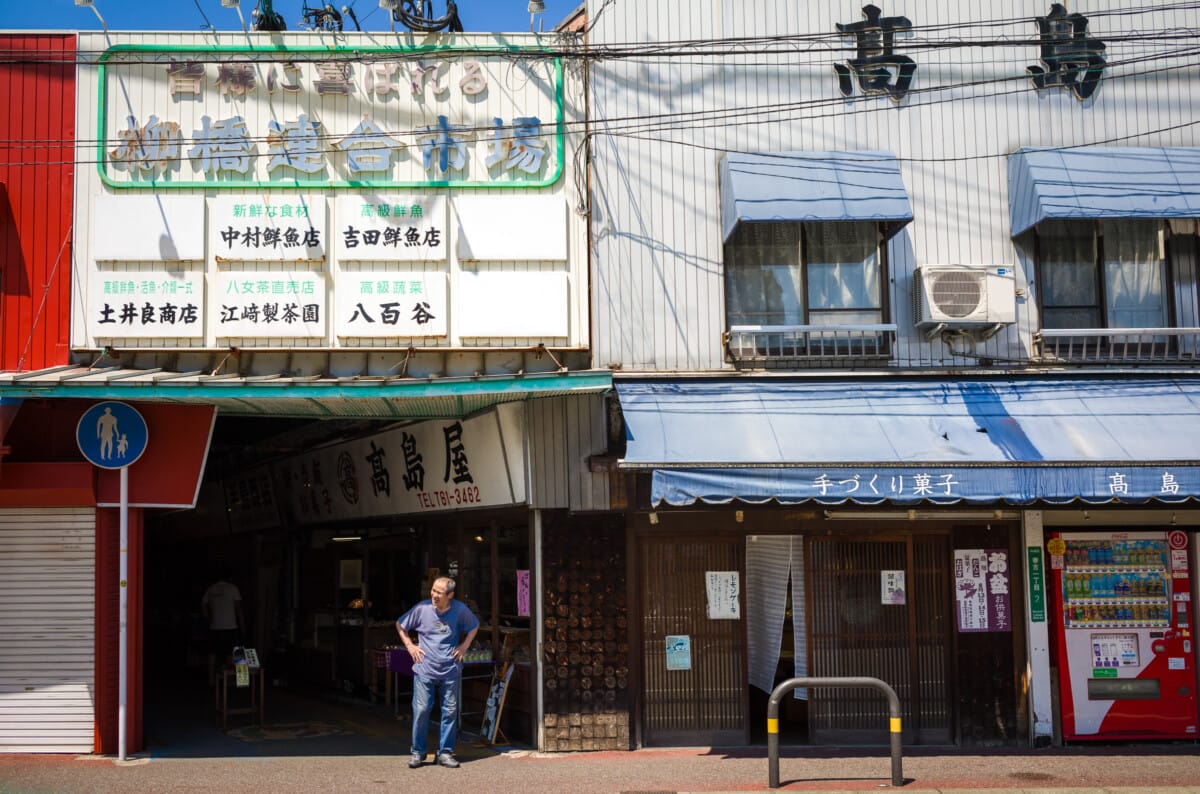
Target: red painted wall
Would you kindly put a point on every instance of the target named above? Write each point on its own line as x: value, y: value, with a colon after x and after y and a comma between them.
x: 168, y: 473
x: 37, y: 153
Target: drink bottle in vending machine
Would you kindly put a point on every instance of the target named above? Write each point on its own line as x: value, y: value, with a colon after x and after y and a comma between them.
x: 1123, y: 635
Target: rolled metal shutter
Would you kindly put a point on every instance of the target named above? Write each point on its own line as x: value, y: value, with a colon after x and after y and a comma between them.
x: 47, y: 621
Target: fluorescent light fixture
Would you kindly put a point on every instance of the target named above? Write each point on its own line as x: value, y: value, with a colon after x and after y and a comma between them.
x: 868, y: 515
x: 535, y: 7
x: 237, y: 6
x: 346, y: 538
x: 920, y: 515
x: 91, y: 4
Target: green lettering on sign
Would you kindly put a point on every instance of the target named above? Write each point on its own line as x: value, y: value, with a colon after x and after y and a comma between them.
x: 1037, y: 586
x: 1104, y: 672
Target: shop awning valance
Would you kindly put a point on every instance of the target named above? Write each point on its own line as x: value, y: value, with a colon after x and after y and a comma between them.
x: 915, y: 441
x: 282, y: 395
x: 813, y: 186
x: 1102, y: 182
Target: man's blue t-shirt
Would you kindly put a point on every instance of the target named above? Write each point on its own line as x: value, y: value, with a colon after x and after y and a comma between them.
x: 439, y: 634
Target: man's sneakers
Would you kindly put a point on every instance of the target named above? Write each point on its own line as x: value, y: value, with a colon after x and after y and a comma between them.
x: 445, y: 759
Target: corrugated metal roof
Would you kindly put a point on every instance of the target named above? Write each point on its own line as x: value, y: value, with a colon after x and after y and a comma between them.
x: 301, y: 397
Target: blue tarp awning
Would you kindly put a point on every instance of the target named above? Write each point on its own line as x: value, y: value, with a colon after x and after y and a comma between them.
x: 910, y: 441
x: 813, y: 186
x: 1102, y: 182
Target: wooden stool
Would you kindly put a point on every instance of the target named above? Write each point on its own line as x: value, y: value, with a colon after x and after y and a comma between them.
x: 257, y: 695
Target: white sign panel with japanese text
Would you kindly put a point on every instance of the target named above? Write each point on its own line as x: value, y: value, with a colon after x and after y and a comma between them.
x: 268, y: 304
x: 306, y: 113
x: 381, y: 303
x: 267, y: 228
x: 144, y: 304
x: 391, y: 228
x: 426, y: 467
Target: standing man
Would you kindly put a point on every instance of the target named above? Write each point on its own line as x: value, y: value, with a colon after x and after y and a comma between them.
x: 222, y: 607
x: 445, y: 630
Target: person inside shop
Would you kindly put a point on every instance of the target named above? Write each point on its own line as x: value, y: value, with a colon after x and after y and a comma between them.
x: 222, y: 608
x: 445, y: 630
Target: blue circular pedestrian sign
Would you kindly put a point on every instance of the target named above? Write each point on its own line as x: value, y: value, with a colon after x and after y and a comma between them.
x: 112, y: 435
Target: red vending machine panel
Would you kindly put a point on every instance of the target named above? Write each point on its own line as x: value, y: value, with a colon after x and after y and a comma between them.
x: 1124, y: 635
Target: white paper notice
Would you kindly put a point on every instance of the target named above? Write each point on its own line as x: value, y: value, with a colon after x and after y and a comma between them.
x: 723, y: 589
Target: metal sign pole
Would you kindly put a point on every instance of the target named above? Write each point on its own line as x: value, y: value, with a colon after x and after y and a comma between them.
x: 123, y: 667
x: 113, y: 435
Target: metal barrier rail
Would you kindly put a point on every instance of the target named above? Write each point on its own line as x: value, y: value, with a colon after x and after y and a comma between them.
x: 846, y: 683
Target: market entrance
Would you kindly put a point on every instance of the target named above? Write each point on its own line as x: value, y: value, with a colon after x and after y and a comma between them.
x: 320, y: 599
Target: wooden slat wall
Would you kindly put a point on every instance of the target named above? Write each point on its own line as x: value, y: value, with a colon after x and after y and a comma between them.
x: 852, y: 633
x: 37, y: 129
x: 563, y: 433
x: 933, y: 716
x: 706, y: 704
x: 658, y: 293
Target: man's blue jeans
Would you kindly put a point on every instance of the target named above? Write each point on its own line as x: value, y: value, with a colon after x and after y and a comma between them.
x: 424, y: 690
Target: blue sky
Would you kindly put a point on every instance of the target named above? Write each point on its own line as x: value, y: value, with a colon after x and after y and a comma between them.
x: 487, y: 16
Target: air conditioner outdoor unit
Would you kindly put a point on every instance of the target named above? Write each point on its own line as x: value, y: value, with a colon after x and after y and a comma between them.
x: 964, y: 296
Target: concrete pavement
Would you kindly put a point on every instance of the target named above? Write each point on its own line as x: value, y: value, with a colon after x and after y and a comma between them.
x: 1162, y: 770
x: 351, y: 746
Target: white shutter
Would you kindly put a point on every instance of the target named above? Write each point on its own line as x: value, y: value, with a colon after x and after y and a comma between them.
x: 47, y: 611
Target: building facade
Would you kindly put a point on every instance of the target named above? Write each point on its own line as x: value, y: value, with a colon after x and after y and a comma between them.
x: 900, y: 298
x: 707, y: 345
x: 343, y: 280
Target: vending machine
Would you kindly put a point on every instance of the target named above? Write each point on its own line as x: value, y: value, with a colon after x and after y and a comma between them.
x: 1124, y: 635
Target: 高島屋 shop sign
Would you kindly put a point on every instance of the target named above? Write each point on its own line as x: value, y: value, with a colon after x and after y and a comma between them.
x: 425, y: 467
x: 229, y: 116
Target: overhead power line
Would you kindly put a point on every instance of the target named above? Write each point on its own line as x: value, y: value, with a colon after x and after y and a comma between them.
x: 729, y: 117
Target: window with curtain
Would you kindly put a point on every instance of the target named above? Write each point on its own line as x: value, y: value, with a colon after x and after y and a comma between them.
x: 784, y: 273
x: 1103, y: 274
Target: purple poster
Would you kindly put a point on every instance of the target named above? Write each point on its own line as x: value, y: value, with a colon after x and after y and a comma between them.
x: 523, y: 593
x: 981, y: 581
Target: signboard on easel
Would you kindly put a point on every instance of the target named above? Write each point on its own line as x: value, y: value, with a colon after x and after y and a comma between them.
x: 495, y: 705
